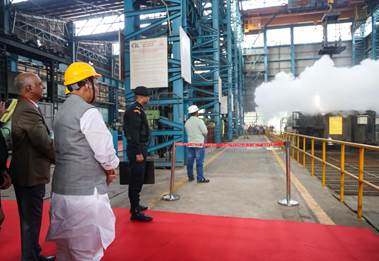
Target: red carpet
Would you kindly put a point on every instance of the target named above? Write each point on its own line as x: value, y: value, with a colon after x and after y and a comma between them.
x: 173, y: 236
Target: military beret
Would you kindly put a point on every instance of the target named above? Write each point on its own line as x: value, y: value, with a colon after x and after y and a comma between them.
x: 142, y: 91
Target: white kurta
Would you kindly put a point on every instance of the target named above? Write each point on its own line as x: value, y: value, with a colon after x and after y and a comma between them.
x: 76, y: 219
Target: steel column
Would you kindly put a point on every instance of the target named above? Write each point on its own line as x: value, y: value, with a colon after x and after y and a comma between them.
x: 265, y: 55
x: 293, y: 54
x: 168, y: 25
x: 216, y: 73
x: 230, y: 67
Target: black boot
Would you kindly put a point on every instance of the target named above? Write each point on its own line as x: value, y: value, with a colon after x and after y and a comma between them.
x: 140, y: 216
x: 140, y: 208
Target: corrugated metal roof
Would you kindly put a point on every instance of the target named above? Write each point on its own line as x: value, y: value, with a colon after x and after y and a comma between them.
x: 71, y: 9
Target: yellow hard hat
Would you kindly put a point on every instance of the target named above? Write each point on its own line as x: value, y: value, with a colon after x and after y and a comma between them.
x: 79, y: 71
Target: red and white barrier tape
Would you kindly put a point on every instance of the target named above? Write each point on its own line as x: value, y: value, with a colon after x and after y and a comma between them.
x: 231, y: 145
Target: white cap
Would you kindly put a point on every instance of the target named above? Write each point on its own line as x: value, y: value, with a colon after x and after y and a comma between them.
x: 192, y: 109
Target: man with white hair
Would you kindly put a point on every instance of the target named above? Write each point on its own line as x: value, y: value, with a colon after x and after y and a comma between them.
x: 196, y: 132
x: 32, y: 155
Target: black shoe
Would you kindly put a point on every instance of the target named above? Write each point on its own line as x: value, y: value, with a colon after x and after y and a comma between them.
x: 191, y: 178
x: 140, y: 208
x: 46, y: 258
x: 204, y: 180
x: 139, y: 216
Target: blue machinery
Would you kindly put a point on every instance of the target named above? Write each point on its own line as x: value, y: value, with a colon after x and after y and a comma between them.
x: 215, y: 30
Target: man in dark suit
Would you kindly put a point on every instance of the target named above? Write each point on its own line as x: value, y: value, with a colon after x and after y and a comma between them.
x: 137, y: 133
x: 33, y: 152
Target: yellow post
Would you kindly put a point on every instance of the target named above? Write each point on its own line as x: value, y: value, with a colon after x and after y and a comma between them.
x: 298, y: 148
x: 342, y: 177
x: 304, y: 150
x: 323, y: 163
x: 360, y: 180
x: 292, y: 145
x: 313, y: 156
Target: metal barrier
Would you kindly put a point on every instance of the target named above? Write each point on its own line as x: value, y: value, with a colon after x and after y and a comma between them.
x: 287, y: 201
x: 171, y: 196
x: 299, y: 146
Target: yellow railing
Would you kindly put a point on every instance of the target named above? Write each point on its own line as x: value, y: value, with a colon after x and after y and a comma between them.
x: 299, y: 146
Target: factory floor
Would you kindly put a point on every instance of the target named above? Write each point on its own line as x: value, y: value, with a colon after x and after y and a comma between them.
x: 244, y: 182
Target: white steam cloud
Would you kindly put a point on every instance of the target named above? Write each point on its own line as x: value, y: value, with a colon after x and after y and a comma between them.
x: 321, y: 88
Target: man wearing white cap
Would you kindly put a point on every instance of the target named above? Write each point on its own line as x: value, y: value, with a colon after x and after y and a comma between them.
x: 196, y: 132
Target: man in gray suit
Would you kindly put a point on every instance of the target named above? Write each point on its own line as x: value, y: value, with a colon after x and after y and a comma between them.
x: 33, y: 152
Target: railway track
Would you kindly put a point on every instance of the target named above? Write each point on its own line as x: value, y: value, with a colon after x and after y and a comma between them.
x: 371, y: 170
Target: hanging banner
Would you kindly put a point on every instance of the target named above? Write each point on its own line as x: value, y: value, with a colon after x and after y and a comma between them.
x: 149, y: 63
x: 219, y: 89
x: 224, y: 105
x: 185, y: 56
x: 232, y: 102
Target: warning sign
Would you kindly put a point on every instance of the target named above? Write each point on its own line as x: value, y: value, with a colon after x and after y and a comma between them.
x: 335, y: 125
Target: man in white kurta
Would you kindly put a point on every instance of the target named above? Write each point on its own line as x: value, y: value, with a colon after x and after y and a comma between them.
x: 82, y: 221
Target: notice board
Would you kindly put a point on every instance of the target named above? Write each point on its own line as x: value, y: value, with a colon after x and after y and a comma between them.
x: 335, y: 125
x: 149, y: 63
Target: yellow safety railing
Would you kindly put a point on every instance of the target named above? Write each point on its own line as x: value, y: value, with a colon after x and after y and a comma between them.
x: 299, y: 146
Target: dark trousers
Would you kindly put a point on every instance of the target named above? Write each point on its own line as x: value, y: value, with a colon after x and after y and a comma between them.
x: 137, y: 170
x: 30, y: 206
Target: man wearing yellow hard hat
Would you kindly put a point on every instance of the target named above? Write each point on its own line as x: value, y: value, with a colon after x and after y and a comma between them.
x: 82, y: 221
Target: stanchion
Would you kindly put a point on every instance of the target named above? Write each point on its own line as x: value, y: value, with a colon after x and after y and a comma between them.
x: 171, y: 196
x: 288, y: 201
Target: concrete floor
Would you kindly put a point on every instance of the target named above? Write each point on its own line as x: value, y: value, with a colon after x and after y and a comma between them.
x: 243, y: 183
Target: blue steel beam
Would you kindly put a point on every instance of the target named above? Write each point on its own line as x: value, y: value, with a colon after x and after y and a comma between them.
x: 293, y: 55
x: 165, y: 102
x: 178, y: 84
x: 241, y: 74
x: 164, y: 144
x: 207, y: 106
x: 265, y: 47
x: 169, y: 123
x: 149, y: 27
x: 167, y: 133
x: 216, y: 57
x: 202, y: 91
x: 206, y: 59
x: 173, y: 19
